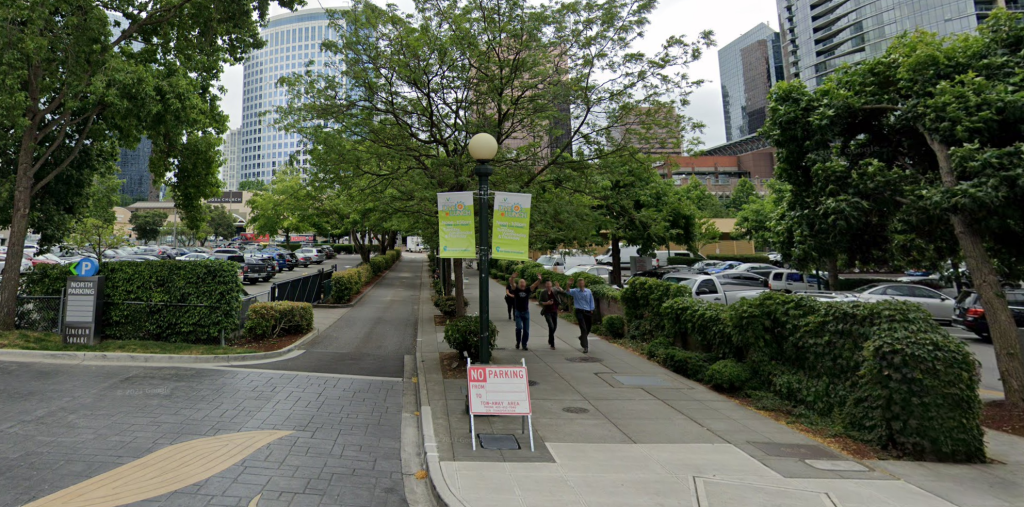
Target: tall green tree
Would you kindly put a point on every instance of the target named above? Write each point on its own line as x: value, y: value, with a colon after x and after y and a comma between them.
x: 74, y: 88
x: 706, y: 203
x: 95, y: 229
x: 743, y: 193
x: 220, y: 223
x: 252, y: 186
x: 147, y: 224
x: 285, y: 207
x: 931, y: 128
x: 411, y: 89
x: 758, y: 219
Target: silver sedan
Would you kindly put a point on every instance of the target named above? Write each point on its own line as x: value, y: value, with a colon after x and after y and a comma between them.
x: 937, y: 303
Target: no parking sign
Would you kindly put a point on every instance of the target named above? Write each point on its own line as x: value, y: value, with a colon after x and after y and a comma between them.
x: 499, y: 390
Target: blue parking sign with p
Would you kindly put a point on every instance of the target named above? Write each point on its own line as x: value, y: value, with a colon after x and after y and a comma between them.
x: 86, y: 267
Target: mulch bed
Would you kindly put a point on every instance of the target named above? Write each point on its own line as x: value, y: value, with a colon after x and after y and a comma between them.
x: 998, y: 415
x: 453, y: 366
x: 441, y: 320
x: 267, y: 345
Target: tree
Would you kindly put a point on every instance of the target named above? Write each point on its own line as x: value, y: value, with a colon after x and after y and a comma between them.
x: 744, y: 193
x: 220, y: 223
x: 147, y: 224
x: 410, y: 90
x: 706, y: 203
x: 73, y: 89
x: 758, y: 219
x: 931, y: 128
x: 95, y: 230
x: 252, y: 186
x: 286, y: 205
x: 707, y: 234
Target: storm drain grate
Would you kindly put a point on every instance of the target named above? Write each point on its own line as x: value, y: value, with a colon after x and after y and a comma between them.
x: 583, y: 359
x: 576, y: 410
x: 500, y: 442
x: 533, y: 383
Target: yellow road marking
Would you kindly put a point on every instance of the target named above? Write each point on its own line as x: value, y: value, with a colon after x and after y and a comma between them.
x: 991, y: 392
x: 163, y: 471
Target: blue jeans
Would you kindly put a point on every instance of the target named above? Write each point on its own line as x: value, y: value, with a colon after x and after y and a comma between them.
x: 522, y: 327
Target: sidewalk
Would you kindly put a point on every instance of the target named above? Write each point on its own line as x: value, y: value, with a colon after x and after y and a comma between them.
x: 613, y: 429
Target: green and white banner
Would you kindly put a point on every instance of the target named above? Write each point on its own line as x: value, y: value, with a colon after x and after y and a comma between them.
x: 511, y: 226
x: 455, y: 223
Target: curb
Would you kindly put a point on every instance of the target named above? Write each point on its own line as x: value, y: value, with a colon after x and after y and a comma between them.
x: 163, y: 359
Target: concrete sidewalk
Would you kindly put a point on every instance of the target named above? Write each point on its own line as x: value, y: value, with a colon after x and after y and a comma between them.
x: 613, y: 429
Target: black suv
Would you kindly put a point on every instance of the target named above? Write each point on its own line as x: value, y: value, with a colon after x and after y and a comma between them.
x: 968, y: 313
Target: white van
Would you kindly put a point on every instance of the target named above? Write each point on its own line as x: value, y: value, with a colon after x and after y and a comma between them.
x: 663, y: 255
x: 625, y: 252
x: 787, y: 280
x: 560, y: 263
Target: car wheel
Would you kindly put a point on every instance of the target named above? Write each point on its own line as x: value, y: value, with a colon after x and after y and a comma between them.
x: 984, y: 337
x: 291, y: 268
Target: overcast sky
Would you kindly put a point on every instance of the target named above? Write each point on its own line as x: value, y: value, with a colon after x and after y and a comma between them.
x: 672, y: 17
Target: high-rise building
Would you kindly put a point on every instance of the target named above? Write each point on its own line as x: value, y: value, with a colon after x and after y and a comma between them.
x: 136, y: 180
x: 231, y: 171
x: 292, y: 41
x: 749, y: 66
x: 818, y: 36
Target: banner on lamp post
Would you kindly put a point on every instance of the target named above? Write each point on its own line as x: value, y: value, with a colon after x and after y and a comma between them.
x: 511, y: 239
x: 457, y: 233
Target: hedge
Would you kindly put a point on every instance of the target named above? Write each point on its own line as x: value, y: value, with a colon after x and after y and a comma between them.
x: 346, y: 249
x: 446, y: 304
x: 345, y: 284
x: 463, y: 334
x: 271, y: 320
x: 883, y: 373
x: 760, y: 259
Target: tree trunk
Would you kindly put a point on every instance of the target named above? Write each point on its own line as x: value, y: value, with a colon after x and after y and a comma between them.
x: 833, y: 274
x: 986, y: 281
x: 447, y: 277
x: 616, y: 264
x: 460, y: 291
x: 16, y: 242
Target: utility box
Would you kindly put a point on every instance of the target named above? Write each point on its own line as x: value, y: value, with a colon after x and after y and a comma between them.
x: 83, y: 308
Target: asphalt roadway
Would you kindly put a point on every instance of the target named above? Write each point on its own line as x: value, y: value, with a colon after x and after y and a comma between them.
x: 374, y: 337
x: 342, y: 261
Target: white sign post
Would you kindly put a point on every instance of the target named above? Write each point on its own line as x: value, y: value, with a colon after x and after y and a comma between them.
x: 498, y: 390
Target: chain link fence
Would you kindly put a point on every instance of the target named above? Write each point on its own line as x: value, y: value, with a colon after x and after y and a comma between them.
x: 39, y: 313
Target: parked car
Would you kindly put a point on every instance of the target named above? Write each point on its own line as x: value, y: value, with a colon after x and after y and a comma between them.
x: 937, y: 303
x: 741, y: 278
x: 602, y: 271
x: 315, y: 256
x: 327, y: 251
x: 763, y: 270
x: 254, y: 270
x: 560, y: 263
x: 725, y: 266
x: 661, y: 257
x: 163, y: 253
x: 710, y: 289
x: 41, y: 259
x: 194, y: 256
x: 625, y: 252
x: 304, y: 260
x: 661, y: 273
x: 702, y: 266
x: 227, y: 251
x: 26, y: 265
x: 786, y: 280
x: 824, y: 295
x: 968, y: 313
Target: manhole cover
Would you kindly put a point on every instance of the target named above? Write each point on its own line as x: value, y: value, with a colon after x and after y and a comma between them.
x: 583, y: 359
x: 500, y: 442
x: 576, y: 410
x: 641, y: 381
x: 803, y: 451
x: 533, y: 383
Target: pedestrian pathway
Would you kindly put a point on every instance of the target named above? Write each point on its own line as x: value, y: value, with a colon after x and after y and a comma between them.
x: 613, y: 429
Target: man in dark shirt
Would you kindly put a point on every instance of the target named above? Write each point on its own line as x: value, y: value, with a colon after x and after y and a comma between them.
x: 549, y: 309
x: 509, y: 300
x: 521, y: 303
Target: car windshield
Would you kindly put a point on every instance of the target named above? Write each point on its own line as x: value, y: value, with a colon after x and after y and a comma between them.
x: 547, y: 260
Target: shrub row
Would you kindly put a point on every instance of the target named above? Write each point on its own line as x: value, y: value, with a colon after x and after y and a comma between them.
x: 271, y: 320
x: 168, y: 301
x: 463, y: 334
x: 446, y: 304
x: 345, y: 284
x: 883, y: 372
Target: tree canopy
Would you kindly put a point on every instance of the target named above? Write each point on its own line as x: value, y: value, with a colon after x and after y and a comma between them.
x: 147, y: 224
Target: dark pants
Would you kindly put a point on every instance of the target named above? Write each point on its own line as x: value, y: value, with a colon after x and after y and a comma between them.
x: 552, y: 320
x: 522, y: 327
x: 511, y: 306
x: 585, y: 319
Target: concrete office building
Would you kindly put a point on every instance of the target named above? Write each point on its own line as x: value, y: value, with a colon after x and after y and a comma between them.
x: 818, y: 36
x: 231, y: 171
x: 749, y: 66
x: 293, y: 40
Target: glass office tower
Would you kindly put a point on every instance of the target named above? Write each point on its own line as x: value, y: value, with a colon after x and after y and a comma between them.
x: 293, y: 40
x: 749, y: 66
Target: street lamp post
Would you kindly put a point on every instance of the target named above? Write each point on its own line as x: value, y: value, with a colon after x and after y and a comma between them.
x: 483, y: 148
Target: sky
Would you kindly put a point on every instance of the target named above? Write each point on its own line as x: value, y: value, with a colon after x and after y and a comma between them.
x: 728, y: 19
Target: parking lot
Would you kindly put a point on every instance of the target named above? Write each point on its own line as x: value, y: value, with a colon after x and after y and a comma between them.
x: 343, y: 261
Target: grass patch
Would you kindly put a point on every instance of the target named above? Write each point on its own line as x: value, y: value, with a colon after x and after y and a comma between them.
x: 30, y: 340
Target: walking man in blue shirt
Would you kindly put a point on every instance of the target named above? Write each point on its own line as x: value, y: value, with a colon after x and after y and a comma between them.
x: 583, y: 301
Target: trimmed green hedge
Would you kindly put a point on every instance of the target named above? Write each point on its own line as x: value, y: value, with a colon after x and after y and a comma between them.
x: 760, y: 259
x: 883, y: 373
x: 343, y: 249
x: 463, y: 334
x: 345, y: 284
x: 270, y: 320
x: 683, y: 261
x: 446, y: 304
x: 44, y: 280
x: 615, y: 326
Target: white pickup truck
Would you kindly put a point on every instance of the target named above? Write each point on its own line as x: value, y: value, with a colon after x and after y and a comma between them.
x: 710, y: 289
